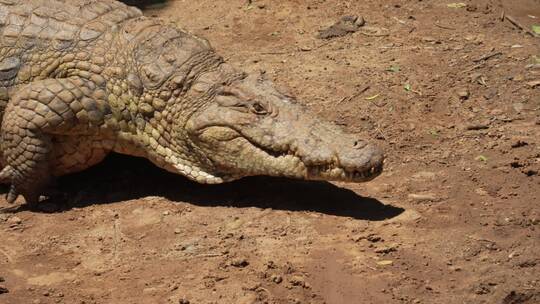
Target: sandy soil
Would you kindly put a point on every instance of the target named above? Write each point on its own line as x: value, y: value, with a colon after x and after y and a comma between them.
x: 452, y: 94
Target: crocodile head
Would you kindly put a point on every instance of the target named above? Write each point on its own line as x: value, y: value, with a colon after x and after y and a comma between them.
x: 252, y: 129
x: 225, y: 125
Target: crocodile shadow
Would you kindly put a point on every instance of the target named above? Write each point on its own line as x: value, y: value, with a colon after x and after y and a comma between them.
x: 147, y: 4
x: 120, y: 178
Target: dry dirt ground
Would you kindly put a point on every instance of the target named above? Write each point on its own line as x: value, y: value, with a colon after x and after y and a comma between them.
x: 451, y: 93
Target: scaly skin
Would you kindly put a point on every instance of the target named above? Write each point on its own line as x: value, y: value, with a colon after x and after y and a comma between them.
x: 82, y: 78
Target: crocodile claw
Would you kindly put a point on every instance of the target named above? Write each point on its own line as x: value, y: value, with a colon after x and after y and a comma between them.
x: 12, y: 195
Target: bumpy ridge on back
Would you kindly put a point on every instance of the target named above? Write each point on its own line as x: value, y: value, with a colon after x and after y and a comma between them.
x: 68, y: 20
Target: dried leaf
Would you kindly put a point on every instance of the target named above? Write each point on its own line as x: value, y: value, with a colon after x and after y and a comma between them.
x: 393, y: 68
x: 456, y: 5
x: 407, y: 87
x: 372, y: 97
x: 482, y: 158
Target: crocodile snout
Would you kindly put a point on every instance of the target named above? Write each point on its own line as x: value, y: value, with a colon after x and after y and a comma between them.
x: 340, y: 157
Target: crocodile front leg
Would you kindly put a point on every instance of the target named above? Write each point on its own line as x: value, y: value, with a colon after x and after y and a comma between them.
x: 36, y: 113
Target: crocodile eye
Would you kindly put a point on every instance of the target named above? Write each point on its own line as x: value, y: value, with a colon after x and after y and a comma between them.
x: 258, y: 109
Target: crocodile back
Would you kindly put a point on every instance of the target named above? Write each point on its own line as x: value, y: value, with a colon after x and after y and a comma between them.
x: 35, y: 32
x: 27, y: 23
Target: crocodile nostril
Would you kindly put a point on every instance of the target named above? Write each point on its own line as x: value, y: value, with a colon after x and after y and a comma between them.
x: 359, y: 144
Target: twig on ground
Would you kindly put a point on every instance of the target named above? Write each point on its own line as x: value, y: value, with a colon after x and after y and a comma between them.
x: 488, y: 56
x: 277, y: 53
x: 444, y: 27
x: 399, y: 20
x: 297, y: 50
x: 380, y: 132
x: 374, y: 31
x: 366, y: 265
x: 373, y: 35
x: 207, y: 255
x: 377, y: 105
x: 317, y: 47
x: 519, y: 26
x: 480, y: 239
x: 477, y: 66
x: 353, y: 96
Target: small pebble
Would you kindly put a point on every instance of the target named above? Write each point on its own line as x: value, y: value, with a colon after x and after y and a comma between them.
x: 277, y: 279
x: 374, y: 238
x: 533, y: 84
x: 478, y: 126
x: 386, y: 249
x: 455, y: 268
x: 297, y: 281
x: 422, y: 197
x: 518, y: 143
x: 240, y: 262
x: 425, y: 175
x: 385, y: 262
x: 14, y: 220
x: 463, y: 94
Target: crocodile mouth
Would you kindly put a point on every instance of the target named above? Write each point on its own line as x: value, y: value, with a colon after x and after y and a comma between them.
x: 329, y: 171
x: 334, y: 173
x: 235, y: 155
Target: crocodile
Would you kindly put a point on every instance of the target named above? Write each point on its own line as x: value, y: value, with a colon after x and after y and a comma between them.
x: 80, y: 79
